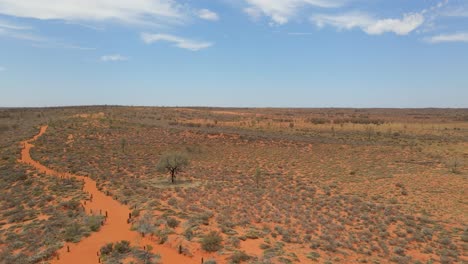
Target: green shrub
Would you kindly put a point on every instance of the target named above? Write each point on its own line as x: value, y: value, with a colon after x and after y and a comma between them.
x: 122, y: 247
x: 172, y: 222
x: 313, y: 255
x: 73, y: 233
x: 94, y: 222
x: 211, y: 242
x: 107, y: 249
x: 188, y: 233
x: 239, y: 256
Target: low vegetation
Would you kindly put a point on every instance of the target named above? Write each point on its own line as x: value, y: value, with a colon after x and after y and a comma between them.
x: 336, y: 186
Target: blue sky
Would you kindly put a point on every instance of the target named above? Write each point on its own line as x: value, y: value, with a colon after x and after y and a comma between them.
x: 277, y: 53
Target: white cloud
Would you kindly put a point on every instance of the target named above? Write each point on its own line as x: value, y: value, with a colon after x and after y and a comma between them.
x: 253, y: 12
x: 280, y: 11
x: 113, y: 58
x: 12, y: 30
x: 208, y: 15
x: 28, y: 34
x: 126, y: 11
x: 457, y: 37
x: 370, y: 24
x: 403, y: 26
x: 179, y: 42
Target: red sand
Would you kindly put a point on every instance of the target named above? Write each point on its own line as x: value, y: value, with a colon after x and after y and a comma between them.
x: 115, y: 228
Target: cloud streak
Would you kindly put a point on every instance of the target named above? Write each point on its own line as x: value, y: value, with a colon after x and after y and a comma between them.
x: 442, y: 38
x: 126, y: 11
x: 177, y: 41
x: 113, y: 58
x: 281, y: 11
x: 370, y: 24
x: 12, y: 30
x: 26, y: 33
x: 208, y: 15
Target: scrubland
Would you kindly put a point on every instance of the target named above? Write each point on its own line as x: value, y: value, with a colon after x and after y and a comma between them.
x: 262, y: 186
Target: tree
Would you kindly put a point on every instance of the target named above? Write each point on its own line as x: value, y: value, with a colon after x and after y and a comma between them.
x: 173, y: 163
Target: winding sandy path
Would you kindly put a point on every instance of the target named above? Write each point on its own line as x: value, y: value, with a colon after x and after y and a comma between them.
x: 115, y: 228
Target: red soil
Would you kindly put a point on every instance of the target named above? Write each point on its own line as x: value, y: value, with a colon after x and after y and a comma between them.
x: 115, y: 228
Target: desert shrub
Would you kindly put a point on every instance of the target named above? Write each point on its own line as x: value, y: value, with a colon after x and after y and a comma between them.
x: 146, y: 256
x: 73, y: 232
x: 400, y: 251
x: 136, y: 212
x: 94, y: 222
x: 211, y: 242
x: 188, y: 233
x: 401, y: 259
x: 454, y: 166
x: 122, y: 247
x: 313, y: 255
x: 234, y: 241
x: 107, y: 249
x: 172, y: 222
x: 163, y: 234
x: 172, y: 201
x: 445, y: 240
x: 238, y: 257
x: 253, y: 234
x: 144, y: 225
x: 464, y: 236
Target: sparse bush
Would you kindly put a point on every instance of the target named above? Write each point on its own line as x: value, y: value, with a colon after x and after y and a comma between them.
x: 107, y: 249
x: 239, y: 256
x: 145, y: 225
x: 188, y: 233
x: 211, y: 242
x: 454, y: 166
x: 122, y: 247
x: 172, y: 222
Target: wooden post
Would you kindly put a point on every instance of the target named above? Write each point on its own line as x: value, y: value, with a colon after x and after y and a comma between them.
x: 68, y: 248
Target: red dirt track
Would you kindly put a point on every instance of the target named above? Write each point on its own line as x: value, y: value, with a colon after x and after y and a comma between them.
x: 115, y: 228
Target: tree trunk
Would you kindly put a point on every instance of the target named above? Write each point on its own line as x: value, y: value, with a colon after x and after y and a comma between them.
x: 172, y: 177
